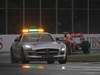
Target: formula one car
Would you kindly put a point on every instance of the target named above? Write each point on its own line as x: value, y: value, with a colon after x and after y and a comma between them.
x: 77, y: 42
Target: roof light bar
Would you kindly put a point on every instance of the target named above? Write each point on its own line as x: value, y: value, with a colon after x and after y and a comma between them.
x: 32, y: 30
x: 25, y: 30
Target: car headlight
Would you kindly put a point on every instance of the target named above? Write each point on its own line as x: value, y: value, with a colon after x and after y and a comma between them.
x: 27, y: 46
x: 63, y: 49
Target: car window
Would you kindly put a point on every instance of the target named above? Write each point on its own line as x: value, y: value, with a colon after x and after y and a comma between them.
x: 36, y: 37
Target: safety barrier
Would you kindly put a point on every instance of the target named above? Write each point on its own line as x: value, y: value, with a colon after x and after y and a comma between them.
x: 7, y: 40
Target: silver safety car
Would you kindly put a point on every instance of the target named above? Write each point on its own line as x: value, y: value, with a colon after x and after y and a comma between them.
x: 35, y: 46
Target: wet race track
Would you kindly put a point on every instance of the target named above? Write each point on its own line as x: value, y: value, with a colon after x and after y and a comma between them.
x: 41, y: 68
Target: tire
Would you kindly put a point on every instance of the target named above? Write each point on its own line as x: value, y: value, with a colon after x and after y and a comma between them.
x: 85, y: 47
x: 50, y: 61
x: 22, y: 57
x: 63, y: 61
x: 12, y: 57
x: 85, y: 50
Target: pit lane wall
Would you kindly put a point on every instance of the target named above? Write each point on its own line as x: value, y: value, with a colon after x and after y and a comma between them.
x: 94, y: 40
x: 7, y: 40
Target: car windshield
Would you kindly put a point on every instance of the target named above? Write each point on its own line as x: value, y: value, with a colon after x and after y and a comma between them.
x: 36, y: 37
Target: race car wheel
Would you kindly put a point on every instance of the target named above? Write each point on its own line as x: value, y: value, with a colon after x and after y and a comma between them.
x: 85, y: 45
x: 50, y: 61
x: 85, y: 50
x: 13, y: 59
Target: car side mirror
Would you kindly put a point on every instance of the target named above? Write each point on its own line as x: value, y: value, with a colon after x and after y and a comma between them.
x: 16, y: 40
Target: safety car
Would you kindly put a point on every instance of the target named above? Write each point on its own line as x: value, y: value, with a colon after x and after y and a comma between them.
x: 36, y: 45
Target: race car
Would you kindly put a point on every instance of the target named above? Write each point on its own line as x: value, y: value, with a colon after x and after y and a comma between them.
x: 77, y: 42
x: 37, y: 46
x: 80, y: 43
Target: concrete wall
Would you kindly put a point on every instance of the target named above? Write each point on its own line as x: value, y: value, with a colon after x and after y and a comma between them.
x: 6, y: 40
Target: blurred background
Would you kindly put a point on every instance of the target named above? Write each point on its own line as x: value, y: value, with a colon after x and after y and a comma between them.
x: 55, y: 16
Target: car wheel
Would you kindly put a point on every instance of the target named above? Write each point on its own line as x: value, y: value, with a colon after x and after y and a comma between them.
x: 85, y: 50
x: 63, y: 61
x: 13, y: 58
x: 22, y: 57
